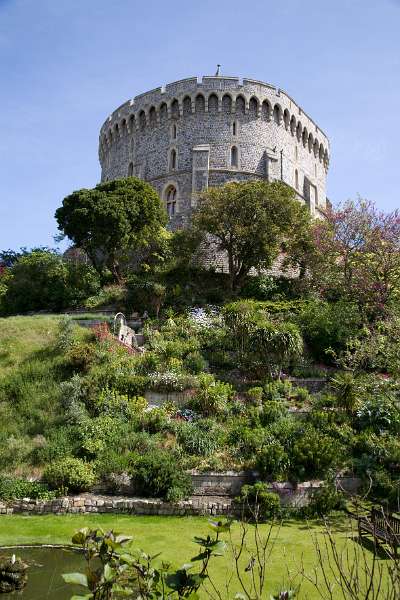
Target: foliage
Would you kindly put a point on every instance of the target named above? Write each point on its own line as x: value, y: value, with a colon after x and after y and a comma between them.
x: 65, y: 333
x: 43, y: 280
x: 258, y: 503
x: 324, y: 500
x: 273, y: 460
x: 111, y: 220
x: 12, y: 488
x: 328, y: 327
x: 212, y: 396
x: 357, y: 256
x: 70, y: 474
x: 126, y: 571
x: 145, y: 295
x: 249, y: 221
x: 158, y: 475
x: 202, y: 438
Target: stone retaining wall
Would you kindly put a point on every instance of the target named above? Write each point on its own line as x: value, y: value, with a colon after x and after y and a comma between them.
x: 290, y: 494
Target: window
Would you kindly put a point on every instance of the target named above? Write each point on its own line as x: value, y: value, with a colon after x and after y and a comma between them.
x: 172, y: 160
x: 130, y: 169
x: 234, y: 128
x: 296, y: 179
x: 234, y: 157
x: 170, y: 198
x: 173, y: 131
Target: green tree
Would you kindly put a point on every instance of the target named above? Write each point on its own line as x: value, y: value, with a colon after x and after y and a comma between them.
x: 112, y: 220
x: 251, y: 222
x: 43, y: 280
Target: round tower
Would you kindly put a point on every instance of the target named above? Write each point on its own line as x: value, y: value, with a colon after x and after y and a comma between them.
x: 194, y: 134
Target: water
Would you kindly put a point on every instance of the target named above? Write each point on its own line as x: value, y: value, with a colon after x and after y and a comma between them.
x: 46, y: 566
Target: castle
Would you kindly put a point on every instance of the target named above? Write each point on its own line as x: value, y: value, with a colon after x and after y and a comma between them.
x: 192, y: 134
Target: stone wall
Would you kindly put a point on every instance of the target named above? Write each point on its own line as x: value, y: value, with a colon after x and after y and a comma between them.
x: 198, y: 124
x: 290, y: 494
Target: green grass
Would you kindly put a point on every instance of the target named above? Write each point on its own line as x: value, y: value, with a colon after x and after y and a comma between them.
x: 172, y: 536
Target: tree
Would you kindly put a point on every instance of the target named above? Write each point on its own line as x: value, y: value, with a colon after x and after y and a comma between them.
x: 42, y: 279
x: 357, y: 256
x: 251, y: 222
x: 111, y: 220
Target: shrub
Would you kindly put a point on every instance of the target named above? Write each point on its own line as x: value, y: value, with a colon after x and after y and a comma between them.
x: 301, y: 394
x: 277, y: 390
x: 379, y: 414
x: 158, y: 475
x: 14, y: 488
x: 259, y: 287
x: 272, y: 411
x: 328, y: 326
x: 255, y: 395
x: 65, y: 333
x: 313, y: 454
x: 325, y: 500
x: 258, y: 503
x: 195, y: 363
x: 212, y: 396
x: 201, y: 438
x: 72, y: 474
x: 146, y: 295
x: 81, y: 356
x: 273, y: 460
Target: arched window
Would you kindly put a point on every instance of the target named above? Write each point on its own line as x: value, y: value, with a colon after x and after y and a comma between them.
x: 142, y: 119
x: 175, y: 109
x: 234, y: 128
x: 200, y: 103
x: 266, y: 110
x: 130, y: 169
x: 172, y: 160
x: 187, y: 105
x: 286, y: 118
x: 170, y: 199
x: 240, y: 105
x: 132, y: 123
x: 226, y: 104
x: 296, y: 179
x: 299, y: 130
x: 173, y: 131
x: 277, y: 114
x: 293, y: 125
x: 163, y: 112
x: 213, y: 103
x: 253, y: 107
x: 152, y: 117
x: 234, y: 157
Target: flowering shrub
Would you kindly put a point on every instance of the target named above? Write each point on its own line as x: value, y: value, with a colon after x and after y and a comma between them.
x: 169, y: 381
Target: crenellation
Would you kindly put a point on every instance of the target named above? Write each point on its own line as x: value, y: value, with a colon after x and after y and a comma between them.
x: 251, y: 129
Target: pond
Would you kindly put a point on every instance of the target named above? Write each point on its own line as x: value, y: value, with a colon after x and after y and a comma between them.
x: 46, y: 566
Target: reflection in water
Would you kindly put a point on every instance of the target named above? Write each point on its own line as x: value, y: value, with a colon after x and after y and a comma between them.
x: 46, y: 566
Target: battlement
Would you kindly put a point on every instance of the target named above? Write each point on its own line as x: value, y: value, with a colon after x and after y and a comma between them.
x: 220, y: 85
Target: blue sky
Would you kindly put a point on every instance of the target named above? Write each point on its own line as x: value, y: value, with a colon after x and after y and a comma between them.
x: 66, y: 64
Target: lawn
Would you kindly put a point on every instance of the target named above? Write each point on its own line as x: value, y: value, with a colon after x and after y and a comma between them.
x: 172, y: 536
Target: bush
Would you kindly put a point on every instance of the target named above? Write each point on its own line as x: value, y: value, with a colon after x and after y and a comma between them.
x: 258, y: 503
x: 72, y: 474
x: 273, y: 461
x: 255, y: 395
x: 328, y: 326
x: 80, y: 356
x: 313, y: 454
x: 195, y: 363
x: 201, y: 438
x: 158, y: 475
x: 12, y: 488
x: 325, y: 500
x: 212, y: 396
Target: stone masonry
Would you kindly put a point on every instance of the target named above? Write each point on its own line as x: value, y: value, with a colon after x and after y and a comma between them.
x: 193, y: 134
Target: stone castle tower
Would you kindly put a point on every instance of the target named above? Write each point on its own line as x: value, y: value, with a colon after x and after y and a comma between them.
x: 192, y: 134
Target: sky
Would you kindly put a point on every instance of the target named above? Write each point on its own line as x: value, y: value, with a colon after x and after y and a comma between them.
x: 65, y: 65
